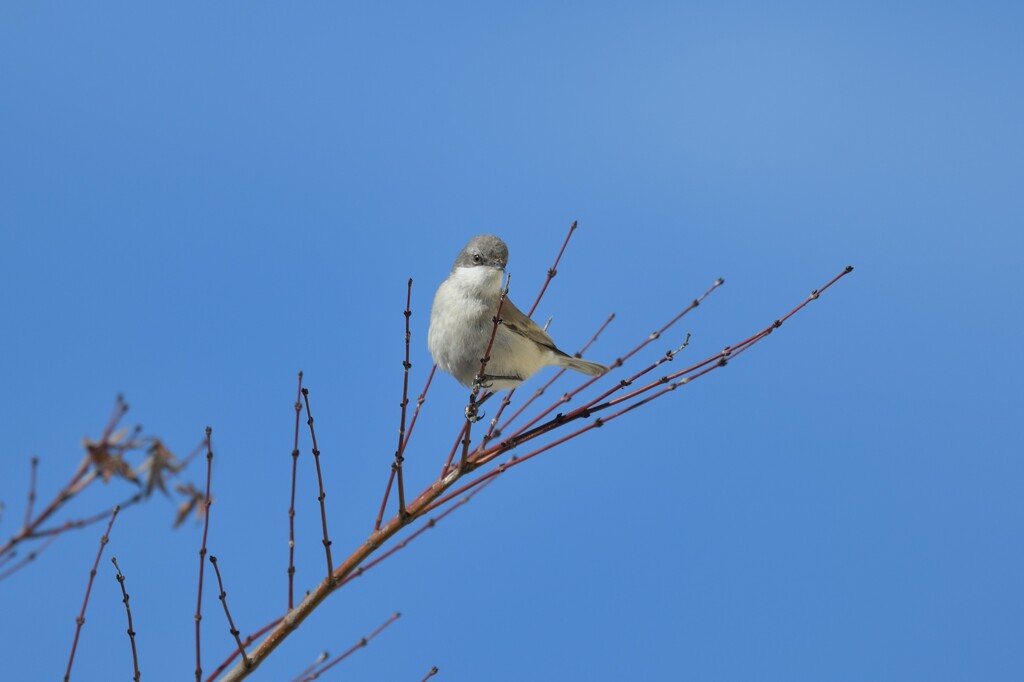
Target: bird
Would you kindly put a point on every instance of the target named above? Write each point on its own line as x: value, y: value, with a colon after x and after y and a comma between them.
x: 462, y: 321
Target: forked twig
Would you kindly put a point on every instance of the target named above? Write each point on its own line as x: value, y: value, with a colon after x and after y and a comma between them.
x: 405, y: 445
x: 246, y: 642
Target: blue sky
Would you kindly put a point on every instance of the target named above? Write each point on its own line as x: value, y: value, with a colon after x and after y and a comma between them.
x: 197, y: 202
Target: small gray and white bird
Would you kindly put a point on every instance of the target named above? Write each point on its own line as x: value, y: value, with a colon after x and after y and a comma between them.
x: 462, y: 319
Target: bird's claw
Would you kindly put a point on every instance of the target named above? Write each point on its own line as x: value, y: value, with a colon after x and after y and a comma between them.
x: 473, y: 414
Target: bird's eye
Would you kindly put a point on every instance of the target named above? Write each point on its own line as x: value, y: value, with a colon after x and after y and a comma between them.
x: 477, y: 258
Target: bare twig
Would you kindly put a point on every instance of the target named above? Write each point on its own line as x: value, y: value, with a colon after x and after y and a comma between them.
x: 319, y: 659
x: 202, y: 550
x: 131, y: 628
x: 553, y: 270
x: 80, y: 621
x: 30, y: 557
x: 355, y: 647
x: 291, y: 504
x: 419, y: 403
x: 433, y: 671
x: 405, y: 446
x: 246, y: 642
x: 320, y: 482
x: 400, y: 449
x: 31, y: 492
x: 223, y: 596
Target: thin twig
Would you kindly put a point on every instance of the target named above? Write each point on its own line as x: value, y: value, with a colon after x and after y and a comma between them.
x: 355, y: 647
x: 202, y: 550
x: 131, y: 628
x: 553, y: 270
x: 247, y: 641
x: 30, y: 557
x: 451, y: 455
x: 433, y: 671
x: 320, y: 482
x: 291, y: 504
x: 80, y: 621
x: 324, y: 655
x: 419, y: 403
x: 405, y: 446
x: 400, y: 448
x: 31, y: 492
x: 223, y: 596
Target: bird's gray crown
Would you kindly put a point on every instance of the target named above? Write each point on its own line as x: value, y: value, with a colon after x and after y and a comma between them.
x: 486, y: 250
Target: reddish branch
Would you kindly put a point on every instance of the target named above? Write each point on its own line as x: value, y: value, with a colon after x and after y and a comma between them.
x: 80, y: 621
x: 553, y: 270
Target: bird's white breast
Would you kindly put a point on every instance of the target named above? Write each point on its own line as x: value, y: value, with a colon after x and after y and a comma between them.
x: 461, y: 319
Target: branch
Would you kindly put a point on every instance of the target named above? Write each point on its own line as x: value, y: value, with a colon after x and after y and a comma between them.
x: 443, y: 490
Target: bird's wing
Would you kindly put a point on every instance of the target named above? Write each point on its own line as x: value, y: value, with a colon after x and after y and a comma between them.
x: 518, y: 323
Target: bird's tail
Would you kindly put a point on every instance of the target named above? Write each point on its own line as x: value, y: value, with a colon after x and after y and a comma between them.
x: 581, y: 365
